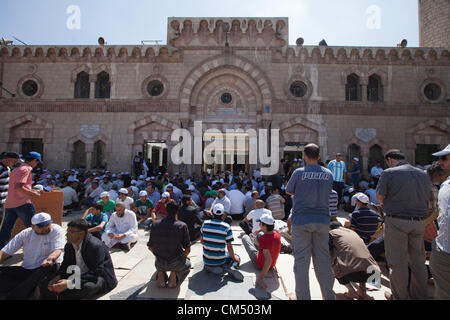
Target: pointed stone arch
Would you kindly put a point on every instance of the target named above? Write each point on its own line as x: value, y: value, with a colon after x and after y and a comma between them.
x: 77, y: 70
x: 429, y: 132
x: 38, y: 128
x: 152, y: 127
x: 242, y: 64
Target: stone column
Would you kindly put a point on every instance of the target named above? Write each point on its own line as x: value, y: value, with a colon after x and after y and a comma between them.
x: 161, y: 156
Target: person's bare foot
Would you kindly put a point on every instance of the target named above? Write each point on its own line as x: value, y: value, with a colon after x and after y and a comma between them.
x: 351, y: 295
x: 161, y: 280
x: 172, y: 280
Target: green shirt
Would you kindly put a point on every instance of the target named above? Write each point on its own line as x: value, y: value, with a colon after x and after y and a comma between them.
x: 143, y: 207
x: 109, y: 207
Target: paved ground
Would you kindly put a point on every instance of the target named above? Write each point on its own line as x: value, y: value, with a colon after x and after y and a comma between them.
x: 136, y: 274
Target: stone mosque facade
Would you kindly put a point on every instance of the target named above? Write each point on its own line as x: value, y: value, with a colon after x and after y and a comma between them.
x: 98, y: 106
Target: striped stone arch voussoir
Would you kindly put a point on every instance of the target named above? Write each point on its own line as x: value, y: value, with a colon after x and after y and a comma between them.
x: 219, y: 61
x: 303, y: 122
x: 153, y: 118
x: 48, y: 127
x: 441, y: 140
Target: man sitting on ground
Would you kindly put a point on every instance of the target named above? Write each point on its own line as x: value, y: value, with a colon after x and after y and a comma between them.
x: 254, y: 216
x: 143, y: 208
x: 266, y: 253
x: 42, y: 246
x: 96, y: 220
x: 108, y: 205
x: 169, y: 242
x: 121, y: 228
x: 215, y: 235
x: 189, y: 215
x: 92, y: 258
x: 364, y: 220
x: 123, y: 197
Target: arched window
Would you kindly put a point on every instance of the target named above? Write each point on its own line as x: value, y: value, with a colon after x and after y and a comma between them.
x: 99, y: 156
x: 79, y: 155
x: 374, y: 89
x: 102, y: 86
x: 353, y: 88
x: 82, y: 86
x: 375, y: 155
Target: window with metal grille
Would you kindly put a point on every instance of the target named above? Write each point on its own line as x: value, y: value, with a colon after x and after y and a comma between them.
x: 82, y: 86
x: 102, y: 86
x: 353, y: 88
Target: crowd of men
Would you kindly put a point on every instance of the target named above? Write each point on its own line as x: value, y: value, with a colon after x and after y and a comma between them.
x: 397, y: 216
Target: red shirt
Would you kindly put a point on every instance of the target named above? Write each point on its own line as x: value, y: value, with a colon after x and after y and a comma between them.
x: 272, y: 242
x: 16, y: 198
x: 161, y: 207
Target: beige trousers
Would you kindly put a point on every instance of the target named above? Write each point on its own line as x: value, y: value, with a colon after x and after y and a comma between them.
x: 403, y: 241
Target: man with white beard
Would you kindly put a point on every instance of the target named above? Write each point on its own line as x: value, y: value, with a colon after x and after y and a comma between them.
x: 121, y: 228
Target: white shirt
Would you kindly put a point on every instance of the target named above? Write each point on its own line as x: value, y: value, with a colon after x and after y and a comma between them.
x: 95, y: 194
x: 113, y: 195
x: 443, y: 237
x: 255, y: 215
x: 79, y: 259
x: 127, y: 201
x: 36, y: 248
x: 70, y: 195
x: 237, y: 199
x: 126, y: 225
x: 71, y: 178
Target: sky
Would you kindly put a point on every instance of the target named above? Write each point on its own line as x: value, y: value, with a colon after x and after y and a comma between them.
x: 373, y: 23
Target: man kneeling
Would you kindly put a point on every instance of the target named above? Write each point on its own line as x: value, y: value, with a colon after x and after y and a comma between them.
x: 122, y: 228
x: 91, y: 258
x: 169, y: 242
x: 265, y: 255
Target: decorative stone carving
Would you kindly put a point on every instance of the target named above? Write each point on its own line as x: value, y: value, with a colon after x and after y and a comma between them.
x: 89, y: 130
x: 366, y: 134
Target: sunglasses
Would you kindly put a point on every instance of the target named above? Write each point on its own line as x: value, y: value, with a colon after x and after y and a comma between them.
x: 443, y: 158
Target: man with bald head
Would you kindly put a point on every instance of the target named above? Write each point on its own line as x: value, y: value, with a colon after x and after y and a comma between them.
x: 254, y: 217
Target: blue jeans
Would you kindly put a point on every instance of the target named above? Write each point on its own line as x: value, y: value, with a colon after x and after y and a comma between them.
x: 24, y: 212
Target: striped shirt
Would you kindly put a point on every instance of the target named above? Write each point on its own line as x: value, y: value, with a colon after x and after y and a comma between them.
x: 333, y: 203
x: 216, y: 234
x: 337, y: 169
x: 274, y: 204
x: 4, y: 182
x: 365, y: 222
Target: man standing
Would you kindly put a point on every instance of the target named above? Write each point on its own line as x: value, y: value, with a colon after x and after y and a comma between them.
x: 169, y: 242
x: 7, y: 161
x: 339, y: 171
x: 42, y: 247
x: 355, y: 173
x: 311, y: 187
x: 404, y: 192
x: 137, y: 164
x: 122, y: 228
x: 440, y: 254
x: 18, y: 203
x: 92, y: 258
